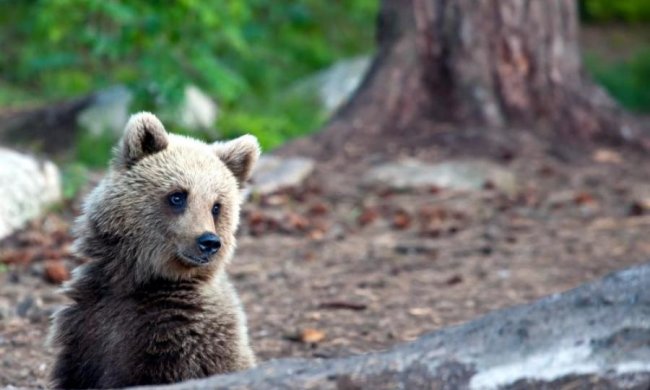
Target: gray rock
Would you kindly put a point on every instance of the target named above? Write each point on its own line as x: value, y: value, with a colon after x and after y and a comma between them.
x: 274, y: 173
x: 24, y: 306
x: 338, y: 82
x: 33, y: 308
x: 197, y: 111
x: 597, y: 335
x: 28, y: 186
x: 458, y: 175
x: 6, y: 310
x: 335, y: 84
x: 108, y: 111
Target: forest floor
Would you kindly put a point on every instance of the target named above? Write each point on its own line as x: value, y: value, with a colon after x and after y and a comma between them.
x: 334, y: 268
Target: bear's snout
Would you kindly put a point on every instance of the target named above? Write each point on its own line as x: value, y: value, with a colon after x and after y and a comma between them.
x: 209, y: 243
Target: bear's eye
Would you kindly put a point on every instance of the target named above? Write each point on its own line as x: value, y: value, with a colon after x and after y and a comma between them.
x: 177, y: 200
x: 216, y: 209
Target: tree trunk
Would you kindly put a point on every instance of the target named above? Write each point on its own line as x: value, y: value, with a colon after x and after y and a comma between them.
x: 475, y: 63
x: 49, y: 128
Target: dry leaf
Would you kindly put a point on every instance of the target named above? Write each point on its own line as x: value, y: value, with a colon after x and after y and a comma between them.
x: 297, y: 222
x: 456, y: 279
x: 311, y: 335
x: 420, y: 311
x: 317, y: 234
x: 368, y: 216
x: 583, y: 198
x: 607, y: 156
x: 401, y: 220
x: 319, y: 208
x: 56, y: 272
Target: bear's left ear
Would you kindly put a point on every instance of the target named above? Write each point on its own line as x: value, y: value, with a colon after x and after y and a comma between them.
x: 144, y: 135
x: 239, y: 155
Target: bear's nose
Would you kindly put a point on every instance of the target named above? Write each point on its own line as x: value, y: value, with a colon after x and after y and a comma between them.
x: 208, y: 243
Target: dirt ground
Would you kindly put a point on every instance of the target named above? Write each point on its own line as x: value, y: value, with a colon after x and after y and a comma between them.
x: 333, y: 268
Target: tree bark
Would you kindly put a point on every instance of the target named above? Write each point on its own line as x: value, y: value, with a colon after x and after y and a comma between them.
x: 49, y: 128
x: 478, y: 63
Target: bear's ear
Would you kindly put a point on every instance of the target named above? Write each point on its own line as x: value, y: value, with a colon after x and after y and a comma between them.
x: 144, y: 135
x: 239, y: 155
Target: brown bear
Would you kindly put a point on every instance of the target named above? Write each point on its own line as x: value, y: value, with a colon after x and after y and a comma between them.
x: 153, y: 304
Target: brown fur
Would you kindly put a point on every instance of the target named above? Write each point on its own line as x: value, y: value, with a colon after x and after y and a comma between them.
x: 140, y: 313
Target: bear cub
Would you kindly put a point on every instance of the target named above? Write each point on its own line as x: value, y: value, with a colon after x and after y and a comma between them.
x: 153, y: 304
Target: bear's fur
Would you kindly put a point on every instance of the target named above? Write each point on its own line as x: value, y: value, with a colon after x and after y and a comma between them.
x: 149, y: 307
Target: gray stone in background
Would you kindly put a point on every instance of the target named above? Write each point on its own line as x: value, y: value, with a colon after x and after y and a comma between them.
x: 274, y: 173
x: 28, y: 186
x: 108, y: 111
x: 458, y: 175
x: 6, y: 310
x: 197, y: 110
x: 335, y: 84
x: 595, y: 336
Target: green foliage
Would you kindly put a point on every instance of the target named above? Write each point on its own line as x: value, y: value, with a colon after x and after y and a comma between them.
x: 301, y: 117
x: 74, y: 176
x: 244, y: 53
x: 628, y: 82
x: 94, y: 150
x: 631, y: 11
x: 13, y: 96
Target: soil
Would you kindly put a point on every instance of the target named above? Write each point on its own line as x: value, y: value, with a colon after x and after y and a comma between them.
x: 333, y: 268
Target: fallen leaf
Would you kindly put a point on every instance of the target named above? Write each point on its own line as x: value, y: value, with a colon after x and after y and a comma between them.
x: 311, y: 335
x: 275, y: 200
x: 456, y: 279
x: 316, y: 234
x: 584, y: 198
x: 255, y: 217
x: 56, y: 272
x: 14, y: 256
x: 368, y: 216
x: 607, y: 156
x: 546, y: 170
x: 258, y: 222
x: 297, y: 222
x: 319, y: 208
x: 420, y: 311
x: 401, y: 220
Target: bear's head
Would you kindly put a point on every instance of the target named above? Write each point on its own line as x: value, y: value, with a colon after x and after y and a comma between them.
x: 168, y: 206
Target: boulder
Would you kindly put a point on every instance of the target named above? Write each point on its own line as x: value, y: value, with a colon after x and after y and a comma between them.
x: 274, y: 173
x: 457, y: 175
x: 333, y: 86
x: 28, y: 187
x: 197, y: 111
x: 339, y: 81
x: 595, y: 336
x: 108, y: 111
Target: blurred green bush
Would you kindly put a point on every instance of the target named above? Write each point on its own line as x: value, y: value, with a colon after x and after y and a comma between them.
x: 627, y: 81
x: 244, y: 53
x: 629, y: 11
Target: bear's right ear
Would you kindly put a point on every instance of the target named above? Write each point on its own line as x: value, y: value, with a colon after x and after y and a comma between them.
x: 239, y: 155
x: 144, y: 135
